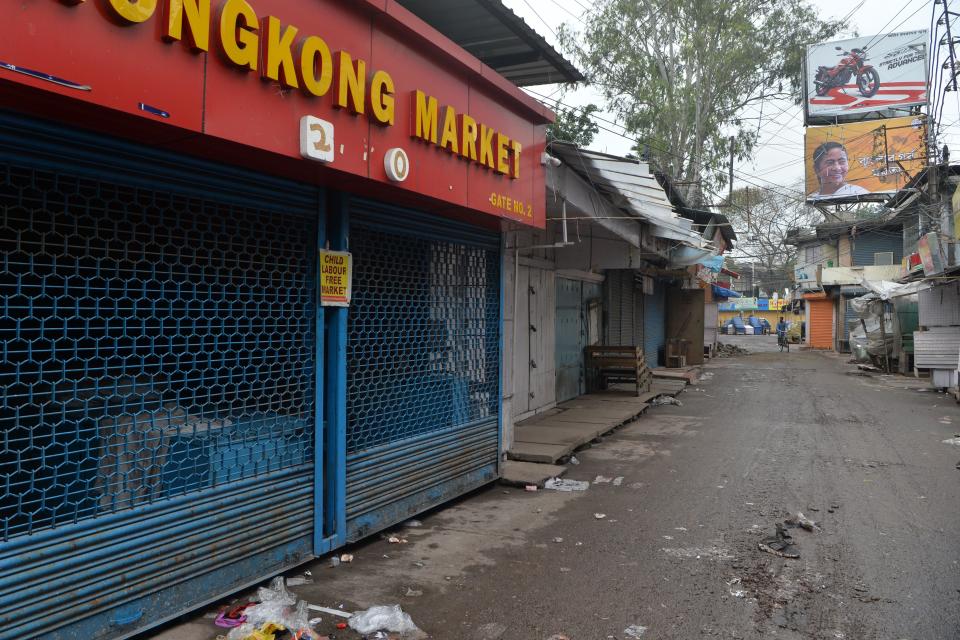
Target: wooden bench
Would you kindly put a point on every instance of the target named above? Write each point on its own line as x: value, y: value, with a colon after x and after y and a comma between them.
x: 619, y: 364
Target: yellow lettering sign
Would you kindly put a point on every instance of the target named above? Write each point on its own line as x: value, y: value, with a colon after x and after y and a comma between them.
x: 316, y: 66
x: 382, y: 103
x: 516, y: 148
x: 425, y: 116
x: 350, y: 83
x: 197, y: 15
x: 238, y: 33
x: 278, y: 52
x: 133, y: 10
x: 468, y: 140
x: 448, y: 140
x: 486, y: 146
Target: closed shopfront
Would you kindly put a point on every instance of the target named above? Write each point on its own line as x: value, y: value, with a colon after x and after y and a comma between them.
x: 820, y: 325
x: 192, y: 400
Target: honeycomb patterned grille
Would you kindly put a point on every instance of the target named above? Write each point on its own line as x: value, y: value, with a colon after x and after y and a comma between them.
x: 151, y: 345
x: 423, y: 349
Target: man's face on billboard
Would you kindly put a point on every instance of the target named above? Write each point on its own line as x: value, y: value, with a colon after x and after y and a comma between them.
x: 832, y: 170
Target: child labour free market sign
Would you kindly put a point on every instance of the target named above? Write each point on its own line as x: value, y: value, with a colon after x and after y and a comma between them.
x: 336, y: 278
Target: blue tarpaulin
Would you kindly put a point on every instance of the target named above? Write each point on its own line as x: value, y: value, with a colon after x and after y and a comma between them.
x: 723, y: 292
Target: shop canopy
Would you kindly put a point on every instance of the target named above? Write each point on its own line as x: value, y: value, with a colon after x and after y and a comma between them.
x: 723, y: 292
x: 632, y: 189
x: 499, y: 38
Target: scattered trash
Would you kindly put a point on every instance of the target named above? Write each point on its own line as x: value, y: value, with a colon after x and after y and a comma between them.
x: 574, y: 460
x: 297, y: 581
x: 679, y: 528
x: 342, y: 625
x: 730, y: 350
x: 953, y: 441
x: 735, y: 588
x: 334, y: 561
x: 333, y: 612
x: 718, y: 553
x: 602, y: 480
x: 419, y: 564
x: 562, y: 484
x: 346, y: 557
x: 801, y: 520
x: 412, y: 524
x: 276, y: 609
x: 231, y: 617
x: 618, y: 481
x: 634, y: 631
x: 666, y: 400
x: 565, y: 569
x: 779, y: 545
x: 395, y: 540
x: 599, y: 516
x: 315, y: 621
x: 530, y: 487
x: 384, y: 618
x: 558, y: 540
x: 668, y: 537
x: 413, y: 593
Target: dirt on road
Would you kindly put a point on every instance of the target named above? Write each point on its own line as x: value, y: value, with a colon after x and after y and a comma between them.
x: 686, y: 494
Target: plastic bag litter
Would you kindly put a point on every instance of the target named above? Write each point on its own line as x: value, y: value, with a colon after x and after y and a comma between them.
x: 560, y: 484
x: 666, y: 400
x: 277, y: 605
x: 384, y: 618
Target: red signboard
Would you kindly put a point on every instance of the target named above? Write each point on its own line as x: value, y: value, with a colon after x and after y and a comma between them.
x: 379, y: 86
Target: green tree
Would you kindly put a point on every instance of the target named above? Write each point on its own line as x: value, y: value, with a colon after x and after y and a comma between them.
x: 574, y: 125
x: 679, y: 73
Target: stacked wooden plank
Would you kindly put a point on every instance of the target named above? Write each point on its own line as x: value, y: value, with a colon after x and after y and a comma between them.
x: 619, y: 364
x: 937, y: 348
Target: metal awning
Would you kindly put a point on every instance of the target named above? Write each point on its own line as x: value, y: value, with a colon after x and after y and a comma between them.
x: 629, y: 186
x: 498, y: 37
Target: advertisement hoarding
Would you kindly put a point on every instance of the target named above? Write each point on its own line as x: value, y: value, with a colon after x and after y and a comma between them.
x: 854, y: 161
x: 862, y: 75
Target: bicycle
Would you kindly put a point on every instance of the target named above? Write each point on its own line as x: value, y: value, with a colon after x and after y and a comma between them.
x: 782, y: 341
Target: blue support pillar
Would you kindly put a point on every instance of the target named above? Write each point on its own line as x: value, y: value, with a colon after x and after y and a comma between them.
x: 320, y: 544
x: 335, y: 462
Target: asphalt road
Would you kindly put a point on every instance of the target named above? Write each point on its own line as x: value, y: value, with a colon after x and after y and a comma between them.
x: 675, y: 555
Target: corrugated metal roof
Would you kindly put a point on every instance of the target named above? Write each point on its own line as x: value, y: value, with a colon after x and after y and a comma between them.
x: 498, y: 37
x: 629, y: 185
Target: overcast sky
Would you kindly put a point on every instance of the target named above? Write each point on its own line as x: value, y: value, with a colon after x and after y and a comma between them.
x: 778, y: 160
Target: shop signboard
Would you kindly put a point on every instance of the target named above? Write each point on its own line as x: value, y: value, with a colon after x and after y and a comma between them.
x: 863, y: 160
x: 386, y: 99
x: 862, y: 75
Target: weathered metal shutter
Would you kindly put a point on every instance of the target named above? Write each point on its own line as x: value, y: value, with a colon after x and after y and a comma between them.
x: 939, y: 306
x: 423, y: 375
x: 821, y: 323
x: 157, y: 381
x: 570, y: 338
x: 655, y: 323
x: 849, y: 317
x: 865, y: 245
x: 622, y: 315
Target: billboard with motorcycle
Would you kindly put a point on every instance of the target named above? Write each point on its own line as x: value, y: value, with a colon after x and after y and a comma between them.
x: 861, y: 75
x: 863, y: 160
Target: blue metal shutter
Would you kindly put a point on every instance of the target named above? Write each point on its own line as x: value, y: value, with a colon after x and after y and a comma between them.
x: 850, y: 315
x: 622, y: 317
x: 866, y: 244
x: 570, y: 338
x: 157, y: 381
x: 655, y: 323
x: 423, y: 364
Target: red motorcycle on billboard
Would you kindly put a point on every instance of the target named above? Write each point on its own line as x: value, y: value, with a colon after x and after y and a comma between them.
x: 852, y: 64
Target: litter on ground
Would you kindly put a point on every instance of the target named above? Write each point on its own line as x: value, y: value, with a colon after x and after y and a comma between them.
x: 562, y: 484
x: 780, y: 544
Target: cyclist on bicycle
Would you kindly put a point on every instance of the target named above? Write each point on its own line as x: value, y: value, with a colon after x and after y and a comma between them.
x: 782, y: 334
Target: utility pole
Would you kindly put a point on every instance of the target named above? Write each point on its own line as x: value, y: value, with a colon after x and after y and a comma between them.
x: 730, y: 192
